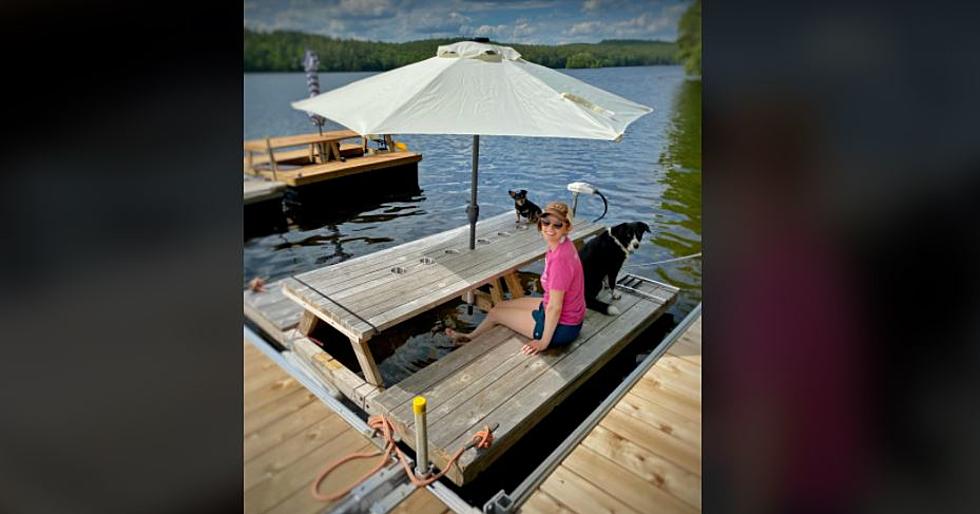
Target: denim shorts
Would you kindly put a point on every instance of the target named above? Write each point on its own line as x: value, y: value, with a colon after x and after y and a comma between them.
x: 563, y: 335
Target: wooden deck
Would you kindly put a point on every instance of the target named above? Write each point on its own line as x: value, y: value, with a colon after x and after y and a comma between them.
x: 301, y: 176
x: 650, y: 442
x: 290, y: 436
x: 489, y: 381
x: 272, y: 311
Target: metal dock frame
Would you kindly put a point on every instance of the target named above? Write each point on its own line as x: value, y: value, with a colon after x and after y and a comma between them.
x: 504, y: 503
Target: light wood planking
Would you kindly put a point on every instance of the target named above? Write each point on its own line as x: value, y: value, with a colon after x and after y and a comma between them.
x: 650, y: 442
x: 288, y: 441
x: 580, y: 494
x: 334, y: 169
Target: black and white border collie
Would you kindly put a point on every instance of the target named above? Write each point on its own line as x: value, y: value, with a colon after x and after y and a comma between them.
x: 602, y: 258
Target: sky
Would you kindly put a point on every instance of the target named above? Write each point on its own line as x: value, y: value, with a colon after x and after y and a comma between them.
x: 508, y: 21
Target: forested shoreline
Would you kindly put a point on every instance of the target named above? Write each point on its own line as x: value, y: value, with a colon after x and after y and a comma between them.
x: 283, y: 51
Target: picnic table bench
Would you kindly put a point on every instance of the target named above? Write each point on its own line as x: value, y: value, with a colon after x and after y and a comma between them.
x: 364, y: 296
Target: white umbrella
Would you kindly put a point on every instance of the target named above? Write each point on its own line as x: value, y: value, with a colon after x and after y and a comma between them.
x: 476, y: 88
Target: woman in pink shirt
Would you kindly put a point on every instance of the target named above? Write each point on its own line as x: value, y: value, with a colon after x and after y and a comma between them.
x: 555, y: 320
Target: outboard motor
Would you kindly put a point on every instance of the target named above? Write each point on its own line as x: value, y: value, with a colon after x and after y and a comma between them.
x: 584, y: 187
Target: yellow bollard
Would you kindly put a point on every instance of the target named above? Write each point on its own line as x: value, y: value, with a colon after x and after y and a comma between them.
x: 421, y: 437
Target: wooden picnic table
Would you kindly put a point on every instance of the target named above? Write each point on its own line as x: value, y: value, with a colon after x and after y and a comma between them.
x: 322, y: 147
x: 364, y: 296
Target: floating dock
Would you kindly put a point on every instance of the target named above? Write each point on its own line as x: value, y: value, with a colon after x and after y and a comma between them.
x: 489, y: 381
x: 485, y: 382
x: 650, y: 441
x: 290, y: 436
x: 306, y: 159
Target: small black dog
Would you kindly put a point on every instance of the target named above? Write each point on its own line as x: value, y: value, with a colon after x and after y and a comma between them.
x: 525, y: 207
x: 602, y: 258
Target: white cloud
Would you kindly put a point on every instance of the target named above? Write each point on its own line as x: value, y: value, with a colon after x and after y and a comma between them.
x: 591, y: 5
x: 584, y: 28
x: 365, y: 8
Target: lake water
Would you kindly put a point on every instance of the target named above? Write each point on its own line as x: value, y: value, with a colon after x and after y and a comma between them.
x: 653, y: 175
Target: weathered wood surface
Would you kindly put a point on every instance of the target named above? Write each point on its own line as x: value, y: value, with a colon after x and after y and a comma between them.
x: 259, y: 145
x: 272, y: 311
x: 289, y: 437
x: 363, y: 295
x: 257, y: 190
x: 301, y: 176
x: 488, y: 381
x: 650, y: 441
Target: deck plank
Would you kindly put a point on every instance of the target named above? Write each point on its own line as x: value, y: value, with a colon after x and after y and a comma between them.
x: 648, y: 465
x: 294, y: 448
x: 297, y: 477
x: 271, y: 393
x: 650, y: 441
x: 260, y: 441
x: 632, y: 490
x: 544, y: 503
x: 288, y: 441
x: 585, y: 496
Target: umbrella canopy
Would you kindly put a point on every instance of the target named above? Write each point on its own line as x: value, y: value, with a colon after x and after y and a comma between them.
x: 479, y: 89
x: 476, y: 88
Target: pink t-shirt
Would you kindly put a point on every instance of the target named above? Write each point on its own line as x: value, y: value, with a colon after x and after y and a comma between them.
x: 563, y: 272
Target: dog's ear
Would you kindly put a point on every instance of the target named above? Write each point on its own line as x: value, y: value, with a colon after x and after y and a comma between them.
x: 512, y: 194
x: 523, y: 191
x: 642, y: 227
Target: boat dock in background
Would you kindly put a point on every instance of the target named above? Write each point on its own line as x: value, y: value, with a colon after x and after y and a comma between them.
x: 305, y: 159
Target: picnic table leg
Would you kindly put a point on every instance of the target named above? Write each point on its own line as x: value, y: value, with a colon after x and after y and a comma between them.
x: 307, y: 323
x: 514, y: 285
x: 366, y: 359
x: 496, y: 293
x: 335, y: 150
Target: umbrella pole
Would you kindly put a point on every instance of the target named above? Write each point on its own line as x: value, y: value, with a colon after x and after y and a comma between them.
x: 473, y: 211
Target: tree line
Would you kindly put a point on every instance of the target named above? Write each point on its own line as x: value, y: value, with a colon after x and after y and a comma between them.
x: 283, y: 51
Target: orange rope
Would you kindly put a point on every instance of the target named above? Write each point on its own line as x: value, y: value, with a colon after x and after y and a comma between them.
x: 481, y: 439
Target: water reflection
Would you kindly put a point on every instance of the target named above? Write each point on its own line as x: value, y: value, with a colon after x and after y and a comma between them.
x: 679, y: 218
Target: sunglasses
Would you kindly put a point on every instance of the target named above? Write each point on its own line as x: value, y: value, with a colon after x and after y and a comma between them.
x: 546, y: 222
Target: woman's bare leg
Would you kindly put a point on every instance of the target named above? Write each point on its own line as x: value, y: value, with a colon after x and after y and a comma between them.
x: 513, y: 314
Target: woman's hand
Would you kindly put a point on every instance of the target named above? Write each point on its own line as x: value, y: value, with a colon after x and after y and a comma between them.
x: 533, y: 346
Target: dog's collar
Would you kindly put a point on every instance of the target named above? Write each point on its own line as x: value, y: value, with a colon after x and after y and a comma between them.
x: 620, y: 245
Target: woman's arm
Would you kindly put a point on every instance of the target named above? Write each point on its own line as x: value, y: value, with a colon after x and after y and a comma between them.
x: 552, y: 313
